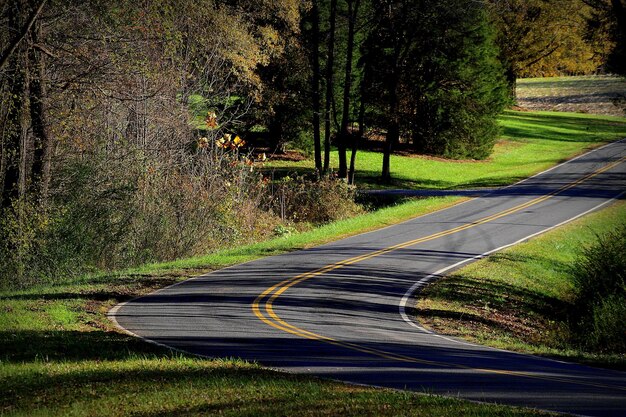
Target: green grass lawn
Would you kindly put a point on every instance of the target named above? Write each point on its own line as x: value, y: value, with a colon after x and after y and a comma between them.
x: 530, y: 142
x: 519, y: 299
x: 60, y: 355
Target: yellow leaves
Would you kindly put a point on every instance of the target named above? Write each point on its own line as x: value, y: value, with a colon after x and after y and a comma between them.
x: 238, y: 142
x: 228, y: 142
x: 211, y: 120
x: 203, y: 142
x: 222, y: 143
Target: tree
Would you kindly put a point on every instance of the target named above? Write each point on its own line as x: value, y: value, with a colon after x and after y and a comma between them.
x: 15, y: 89
x: 607, y: 26
x: 529, y: 31
x: 344, y: 134
x: 315, y: 80
x: 385, y: 51
x: 329, y: 80
x: 433, y: 74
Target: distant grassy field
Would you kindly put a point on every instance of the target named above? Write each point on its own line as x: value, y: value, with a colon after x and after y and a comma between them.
x: 530, y: 143
x: 60, y: 355
x: 595, y: 94
x: 518, y: 299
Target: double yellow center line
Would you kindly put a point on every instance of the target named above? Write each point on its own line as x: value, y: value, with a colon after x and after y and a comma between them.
x: 265, y: 301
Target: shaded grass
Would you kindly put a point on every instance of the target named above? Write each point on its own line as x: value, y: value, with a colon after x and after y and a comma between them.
x: 59, y: 354
x: 186, y: 386
x: 530, y: 143
x: 519, y: 299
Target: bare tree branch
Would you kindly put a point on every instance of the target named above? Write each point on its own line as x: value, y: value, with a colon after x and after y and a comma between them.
x: 7, y: 54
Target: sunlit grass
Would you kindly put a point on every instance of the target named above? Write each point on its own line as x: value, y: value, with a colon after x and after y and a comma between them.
x: 530, y: 142
x: 519, y: 298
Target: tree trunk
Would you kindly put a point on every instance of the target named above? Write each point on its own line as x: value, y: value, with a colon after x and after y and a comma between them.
x: 17, y: 10
x: 329, y: 83
x: 317, y: 141
x: 355, y: 140
x: 353, y: 9
x: 393, y: 129
x: 511, y: 78
x: 40, y: 173
x: 392, y: 139
x: 13, y: 132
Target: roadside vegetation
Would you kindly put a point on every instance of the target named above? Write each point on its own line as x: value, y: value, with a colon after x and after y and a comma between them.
x: 136, y: 134
x: 559, y: 295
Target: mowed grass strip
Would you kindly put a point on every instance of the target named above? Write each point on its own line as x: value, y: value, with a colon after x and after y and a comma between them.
x: 530, y: 142
x: 61, y: 356
x: 519, y: 299
x: 182, y: 386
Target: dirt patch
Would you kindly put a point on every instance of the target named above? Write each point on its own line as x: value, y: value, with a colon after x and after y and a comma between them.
x: 289, y: 155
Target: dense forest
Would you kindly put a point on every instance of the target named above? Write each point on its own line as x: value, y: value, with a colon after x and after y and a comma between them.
x: 136, y: 131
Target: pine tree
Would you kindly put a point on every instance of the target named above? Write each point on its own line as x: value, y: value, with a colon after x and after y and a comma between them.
x: 433, y: 75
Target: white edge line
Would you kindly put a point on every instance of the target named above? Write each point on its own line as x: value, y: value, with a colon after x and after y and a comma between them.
x: 417, y: 286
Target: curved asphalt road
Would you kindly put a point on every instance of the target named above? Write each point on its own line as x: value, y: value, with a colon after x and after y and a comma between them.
x: 338, y: 310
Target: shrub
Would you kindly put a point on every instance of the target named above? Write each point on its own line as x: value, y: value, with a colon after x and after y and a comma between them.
x: 106, y: 213
x: 600, y: 308
x: 607, y: 325
x: 320, y: 201
x: 22, y: 243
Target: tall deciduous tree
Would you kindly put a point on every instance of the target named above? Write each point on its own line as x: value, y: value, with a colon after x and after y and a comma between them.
x: 344, y: 134
x: 329, y: 80
x: 607, y: 25
x: 315, y: 80
x: 529, y: 31
x: 14, y: 88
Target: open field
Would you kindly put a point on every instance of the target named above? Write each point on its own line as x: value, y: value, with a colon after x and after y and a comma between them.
x: 519, y: 299
x: 530, y: 143
x: 60, y: 355
x: 595, y: 94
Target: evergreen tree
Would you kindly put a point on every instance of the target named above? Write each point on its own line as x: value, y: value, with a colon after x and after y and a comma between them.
x: 454, y: 88
x: 433, y: 75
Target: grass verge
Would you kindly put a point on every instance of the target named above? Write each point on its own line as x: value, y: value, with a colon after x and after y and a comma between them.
x: 519, y: 299
x: 530, y: 142
x: 59, y: 354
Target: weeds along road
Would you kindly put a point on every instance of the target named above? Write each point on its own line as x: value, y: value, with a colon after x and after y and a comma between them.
x: 342, y: 310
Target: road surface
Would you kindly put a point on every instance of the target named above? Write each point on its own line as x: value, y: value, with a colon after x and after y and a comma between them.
x: 342, y: 310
